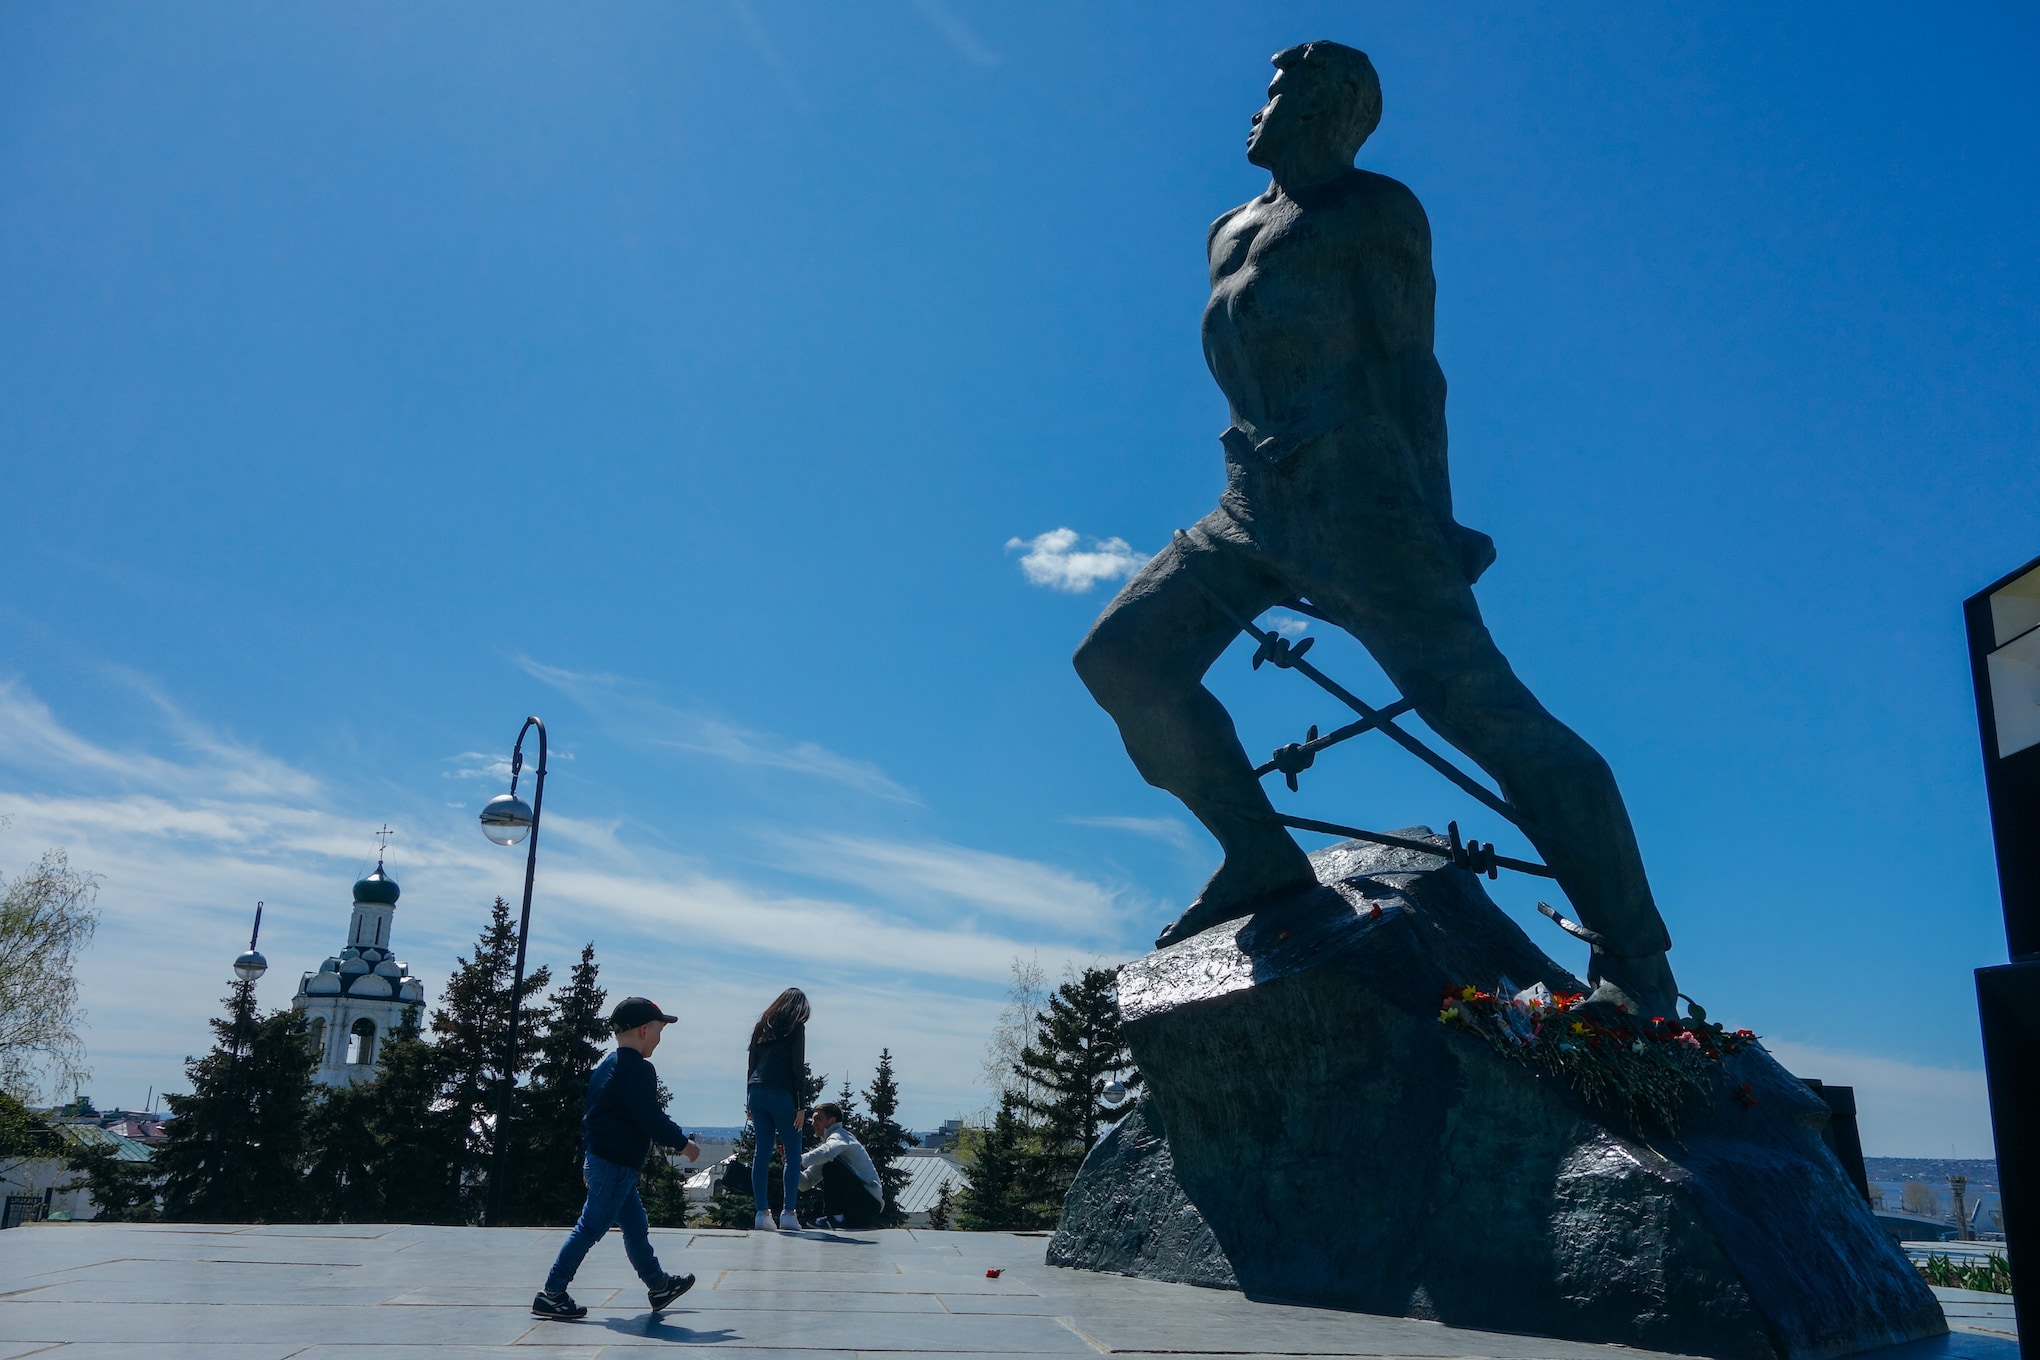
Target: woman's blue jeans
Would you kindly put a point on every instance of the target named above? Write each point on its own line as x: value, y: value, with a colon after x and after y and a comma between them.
x: 772, y: 1117
x: 612, y: 1198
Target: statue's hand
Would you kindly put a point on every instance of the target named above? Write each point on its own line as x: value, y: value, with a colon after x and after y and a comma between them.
x: 1476, y: 551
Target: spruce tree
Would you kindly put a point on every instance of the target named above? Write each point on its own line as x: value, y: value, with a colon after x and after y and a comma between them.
x: 1001, y: 1195
x: 944, y: 1212
x: 1077, y: 1049
x: 122, y: 1191
x: 546, y: 1188
x: 384, y: 1150
x: 341, y: 1180
x: 420, y: 1147
x: 235, y: 1152
x: 469, y: 1029
x: 883, y: 1137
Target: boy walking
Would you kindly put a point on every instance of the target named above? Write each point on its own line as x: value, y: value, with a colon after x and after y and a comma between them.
x: 622, y: 1122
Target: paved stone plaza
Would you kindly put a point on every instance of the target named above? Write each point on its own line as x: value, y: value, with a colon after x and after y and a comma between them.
x: 82, y: 1291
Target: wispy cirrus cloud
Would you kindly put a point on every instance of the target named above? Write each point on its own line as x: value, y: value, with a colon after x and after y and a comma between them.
x: 1170, y: 829
x: 626, y: 707
x: 32, y: 738
x: 957, y: 33
x: 906, y: 944
x: 1062, y: 559
x: 959, y: 883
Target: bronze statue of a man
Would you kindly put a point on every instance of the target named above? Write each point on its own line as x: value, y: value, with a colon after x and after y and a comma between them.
x: 1319, y: 333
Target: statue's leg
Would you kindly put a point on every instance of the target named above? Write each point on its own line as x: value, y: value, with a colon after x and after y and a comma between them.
x: 1401, y: 592
x: 1144, y: 662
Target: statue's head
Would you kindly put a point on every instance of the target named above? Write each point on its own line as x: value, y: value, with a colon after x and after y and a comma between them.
x: 1325, y: 100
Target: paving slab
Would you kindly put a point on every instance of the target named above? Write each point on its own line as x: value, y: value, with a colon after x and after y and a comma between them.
x: 84, y: 1291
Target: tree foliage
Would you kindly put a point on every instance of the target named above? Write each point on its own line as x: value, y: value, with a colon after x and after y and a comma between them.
x: 23, y: 1137
x: 882, y: 1135
x: 257, y: 1141
x: 388, y: 1149
x: 547, y: 1134
x: 943, y: 1215
x: 236, y: 1150
x: 46, y: 918
x: 1004, y: 1194
x: 122, y: 1191
x: 1051, y: 1103
x: 468, y: 1033
x: 1077, y: 1048
x: 1026, y: 995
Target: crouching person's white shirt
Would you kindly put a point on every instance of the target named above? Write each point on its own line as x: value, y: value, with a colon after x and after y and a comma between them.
x: 839, y: 1142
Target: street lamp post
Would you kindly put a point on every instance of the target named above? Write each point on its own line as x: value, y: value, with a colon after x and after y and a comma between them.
x: 506, y: 820
x: 247, y: 968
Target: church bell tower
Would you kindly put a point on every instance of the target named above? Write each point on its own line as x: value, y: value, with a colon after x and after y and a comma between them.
x: 360, y: 995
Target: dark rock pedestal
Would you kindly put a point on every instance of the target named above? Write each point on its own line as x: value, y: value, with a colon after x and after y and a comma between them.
x: 1311, y: 1132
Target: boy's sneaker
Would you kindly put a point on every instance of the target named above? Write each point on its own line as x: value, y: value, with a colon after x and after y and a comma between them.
x: 787, y: 1221
x: 673, y: 1288
x: 562, y: 1305
x: 763, y: 1222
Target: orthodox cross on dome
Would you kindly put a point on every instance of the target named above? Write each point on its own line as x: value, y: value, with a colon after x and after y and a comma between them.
x: 382, y: 843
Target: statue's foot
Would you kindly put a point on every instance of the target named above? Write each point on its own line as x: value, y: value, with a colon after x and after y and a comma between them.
x: 1236, y: 892
x: 1645, y: 978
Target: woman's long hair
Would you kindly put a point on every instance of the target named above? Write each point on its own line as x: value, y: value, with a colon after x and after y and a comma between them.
x: 780, y: 1019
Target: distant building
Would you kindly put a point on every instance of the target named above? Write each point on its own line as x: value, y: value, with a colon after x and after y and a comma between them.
x: 928, y: 1172
x: 42, y: 1185
x: 362, y: 993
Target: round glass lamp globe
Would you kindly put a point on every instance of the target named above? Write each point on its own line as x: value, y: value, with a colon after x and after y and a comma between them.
x: 1114, y: 1095
x: 250, y: 966
x: 506, y: 819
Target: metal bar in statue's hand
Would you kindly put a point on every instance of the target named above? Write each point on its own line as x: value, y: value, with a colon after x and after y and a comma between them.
x: 1521, y: 866
x: 1337, y: 735
x: 1279, y: 652
x: 1474, y: 787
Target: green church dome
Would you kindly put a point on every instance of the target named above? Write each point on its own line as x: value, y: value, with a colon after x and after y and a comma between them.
x: 377, y: 887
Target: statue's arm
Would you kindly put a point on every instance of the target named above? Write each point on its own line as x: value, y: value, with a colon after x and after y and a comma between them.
x: 1403, y: 306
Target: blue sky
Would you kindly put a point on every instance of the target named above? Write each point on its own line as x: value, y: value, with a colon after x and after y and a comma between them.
x: 684, y: 372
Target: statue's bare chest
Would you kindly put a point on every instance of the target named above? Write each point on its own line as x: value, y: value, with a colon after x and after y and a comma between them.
x: 1275, y: 270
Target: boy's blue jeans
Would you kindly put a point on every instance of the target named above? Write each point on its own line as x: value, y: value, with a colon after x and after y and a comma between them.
x: 772, y: 1115
x: 612, y: 1198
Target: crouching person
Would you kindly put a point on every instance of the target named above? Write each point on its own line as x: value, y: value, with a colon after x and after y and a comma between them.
x: 622, y: 1121
x: 852, y: 1196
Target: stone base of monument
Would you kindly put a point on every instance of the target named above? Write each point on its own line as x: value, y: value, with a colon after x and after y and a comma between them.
x: 1312, y: 1133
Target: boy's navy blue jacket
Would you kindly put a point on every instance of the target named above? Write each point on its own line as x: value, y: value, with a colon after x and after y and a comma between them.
x: 624, y: 1118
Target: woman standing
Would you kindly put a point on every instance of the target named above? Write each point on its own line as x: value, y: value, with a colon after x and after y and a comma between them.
x: 778, y: 1061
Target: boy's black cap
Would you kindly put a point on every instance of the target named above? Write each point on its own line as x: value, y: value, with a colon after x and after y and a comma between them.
x: 633, y: 1011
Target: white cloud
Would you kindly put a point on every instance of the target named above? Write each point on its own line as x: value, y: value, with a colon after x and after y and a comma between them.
x: 494, y: 767
x: 1289, y: 625
x: 955, y: 880
x: 1170, y: 829
x: 1055, y: 560
x: 957, y: 33
x: 901, y: 943
x: 1902, y: 1109
x: 31, y: 738
x: 627, y: 711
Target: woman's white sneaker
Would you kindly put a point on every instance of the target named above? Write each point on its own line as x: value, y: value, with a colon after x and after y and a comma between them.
x: 787, y: 1221
x: 763, y: 1222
